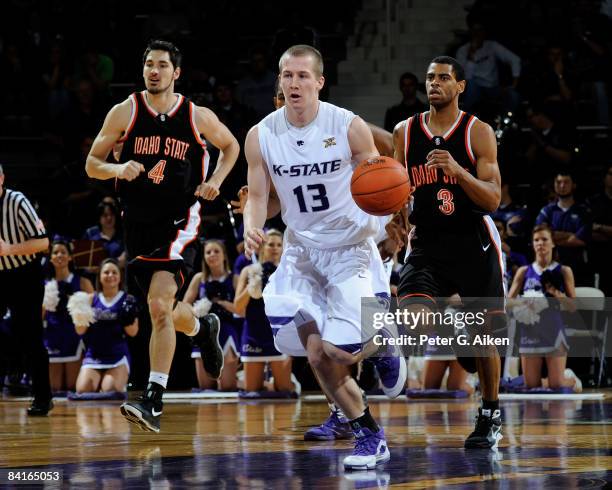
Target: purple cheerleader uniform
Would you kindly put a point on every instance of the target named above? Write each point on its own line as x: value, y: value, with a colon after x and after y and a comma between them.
x: 105, y: 339
x: 228, y: 335
x: 548, y: 334
x: 257, y: 338
x: 61, y: 340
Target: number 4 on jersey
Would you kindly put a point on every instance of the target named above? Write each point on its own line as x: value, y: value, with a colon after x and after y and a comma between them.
x: 156, y: 174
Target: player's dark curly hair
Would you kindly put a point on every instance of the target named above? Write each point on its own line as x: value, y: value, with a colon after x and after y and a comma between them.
x: 159, y: 45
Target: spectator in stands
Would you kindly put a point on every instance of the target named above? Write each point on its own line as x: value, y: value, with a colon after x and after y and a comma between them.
x: 570, y: 226
x: 106, y: 366
x: 56, y: 75
x: 167, y: 21
x: 550, y: 146
x: 294, y: 32
x: 479, y: 57
x: 254, y: 89
x: 514, y: 219
x: 545, y: 339
x: 591, y: 55
x: 108, y: 230
x: 64, y: 345
x: 212, y: 291
x: 15, y: 87
x: 600, y: 206
x: 96, y: 67
x: 553, y: 82
x: 236, y: 116
x: 410, y: 104
x: 22, y: 237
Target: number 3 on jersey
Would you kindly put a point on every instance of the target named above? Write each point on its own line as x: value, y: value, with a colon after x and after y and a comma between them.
x: 448, y: 206
x: 156, y: 174
x: 317, y: 193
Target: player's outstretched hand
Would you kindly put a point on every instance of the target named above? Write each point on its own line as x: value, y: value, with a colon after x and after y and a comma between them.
x: 207, y: 191
x: 243, y: 195
x: 253, y: 239
x: 130, y: 170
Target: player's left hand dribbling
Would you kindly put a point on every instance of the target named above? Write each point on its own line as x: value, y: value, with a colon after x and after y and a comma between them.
x: 207, y: 191
x: 443, y: 159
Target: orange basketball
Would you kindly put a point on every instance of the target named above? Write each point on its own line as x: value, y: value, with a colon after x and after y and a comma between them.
x: 380, y: 186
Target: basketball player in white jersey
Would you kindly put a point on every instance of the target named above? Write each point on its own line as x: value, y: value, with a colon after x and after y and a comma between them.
x: 307, y: 150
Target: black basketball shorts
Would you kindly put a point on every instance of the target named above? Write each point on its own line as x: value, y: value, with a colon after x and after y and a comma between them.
x: 442, y: 263
x: 167, y: 245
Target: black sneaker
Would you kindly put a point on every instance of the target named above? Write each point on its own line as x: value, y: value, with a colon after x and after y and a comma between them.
x: 207, y: 339
x: 40, y: 408
x: 144, y: 412
x: 487, y: 432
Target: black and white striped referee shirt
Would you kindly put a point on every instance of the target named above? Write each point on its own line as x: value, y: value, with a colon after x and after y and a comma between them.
x: 18, y: 223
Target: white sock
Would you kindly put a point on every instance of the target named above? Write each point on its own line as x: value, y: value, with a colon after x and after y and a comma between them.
x: 196, y: 328
x: 159, y: 378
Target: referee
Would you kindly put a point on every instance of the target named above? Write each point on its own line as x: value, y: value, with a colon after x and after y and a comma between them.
x: 22, y: 236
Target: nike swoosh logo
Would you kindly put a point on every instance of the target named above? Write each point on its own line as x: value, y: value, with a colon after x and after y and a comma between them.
x: 176, y: 222
x: 483, y: 248
x: 156, y: 413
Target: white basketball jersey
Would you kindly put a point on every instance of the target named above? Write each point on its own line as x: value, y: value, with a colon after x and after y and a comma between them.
x: 311, y: 170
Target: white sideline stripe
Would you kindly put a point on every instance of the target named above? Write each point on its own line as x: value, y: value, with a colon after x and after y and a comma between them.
x: 199, y: 396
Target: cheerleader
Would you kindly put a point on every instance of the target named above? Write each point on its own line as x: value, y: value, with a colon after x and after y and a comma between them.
x: 64, y: 345
x: 257, y: 346
x: 545, y: 341
x: 212, y: 290
x: 104, y: 319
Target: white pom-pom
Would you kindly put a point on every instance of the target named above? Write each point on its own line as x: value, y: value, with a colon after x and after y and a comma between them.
x: 202, y: 306
x: 51, y: 298
x: 254, y: 284
x: 81, y: 312
x: 529, y: 307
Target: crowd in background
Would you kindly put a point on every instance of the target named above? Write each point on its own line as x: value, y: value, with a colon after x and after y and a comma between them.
x: 530, y: 79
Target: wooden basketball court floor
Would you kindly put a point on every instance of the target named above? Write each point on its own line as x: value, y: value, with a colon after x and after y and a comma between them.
x: 258, y: 444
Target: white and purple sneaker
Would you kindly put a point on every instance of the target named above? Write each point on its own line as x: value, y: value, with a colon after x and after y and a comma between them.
x: 391, y: 368
x: 336, y: 427
x: 370, y: 450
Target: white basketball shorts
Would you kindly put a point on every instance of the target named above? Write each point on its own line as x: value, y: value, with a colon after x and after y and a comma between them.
x: 324, y: 285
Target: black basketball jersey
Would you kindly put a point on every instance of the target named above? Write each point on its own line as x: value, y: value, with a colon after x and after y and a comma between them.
x: 439, y: 201
x: 174, y: 155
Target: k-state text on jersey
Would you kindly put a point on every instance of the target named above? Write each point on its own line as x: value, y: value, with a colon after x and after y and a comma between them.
x: 305, y: 169
x: 151, y: 145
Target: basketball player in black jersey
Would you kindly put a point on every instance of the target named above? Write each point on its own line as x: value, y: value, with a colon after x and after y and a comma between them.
x: 454, y: 246
x: 163, y: 138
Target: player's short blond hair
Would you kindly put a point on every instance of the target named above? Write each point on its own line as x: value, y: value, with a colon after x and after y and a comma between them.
x: 304, y: 50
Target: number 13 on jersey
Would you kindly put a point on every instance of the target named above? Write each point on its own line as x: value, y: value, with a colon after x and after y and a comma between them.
x: 316, y: 193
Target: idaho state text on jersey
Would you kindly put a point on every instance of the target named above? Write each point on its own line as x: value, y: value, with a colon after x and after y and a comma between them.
x: 305, y: 169
x: 151, y: 145
x: 422, y: 175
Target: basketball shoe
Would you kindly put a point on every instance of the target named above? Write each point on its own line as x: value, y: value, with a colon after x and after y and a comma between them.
x: 370, y: 450
x: 336, y: 427
x: 487, y: 432
x: 391, y: 366
x: 144, y: 412
x: 207, y: 339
